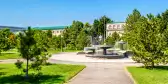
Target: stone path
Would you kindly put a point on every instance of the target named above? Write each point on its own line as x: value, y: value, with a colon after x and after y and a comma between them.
x: 98, y: 71
x: 73, y: 57
x: 102, y: 73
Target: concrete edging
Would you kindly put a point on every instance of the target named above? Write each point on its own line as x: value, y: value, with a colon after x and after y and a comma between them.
x: 129, y: 74
x: 74, y: 76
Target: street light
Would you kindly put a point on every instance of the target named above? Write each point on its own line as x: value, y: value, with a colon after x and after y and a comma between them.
x: 61, y: 44
x: 104, y: 31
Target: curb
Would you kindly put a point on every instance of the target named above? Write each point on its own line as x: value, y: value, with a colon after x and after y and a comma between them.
x: 74, y: 76
x: 129, y: 74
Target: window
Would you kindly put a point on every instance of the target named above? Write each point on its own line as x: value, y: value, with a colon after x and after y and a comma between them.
x: 118, y: 26
x: 122, y: 25
x: 113, y: 26
x: 110, y: 27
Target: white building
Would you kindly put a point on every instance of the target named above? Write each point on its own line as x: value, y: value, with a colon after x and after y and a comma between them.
x: 115, y: 27
x: 56, y: 30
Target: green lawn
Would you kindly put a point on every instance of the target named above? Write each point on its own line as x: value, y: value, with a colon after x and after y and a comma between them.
x: 4, y: 56
x: 158, y: 75
x: 52, y: 51
x: 10, y: 54
x: 52, y: 74
x: 13, y: 53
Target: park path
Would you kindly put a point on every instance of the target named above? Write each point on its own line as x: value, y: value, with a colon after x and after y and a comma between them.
x: 102, y: 73
x: 97, y: 71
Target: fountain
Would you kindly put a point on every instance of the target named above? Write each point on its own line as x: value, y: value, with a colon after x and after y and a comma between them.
x: 119, y: 50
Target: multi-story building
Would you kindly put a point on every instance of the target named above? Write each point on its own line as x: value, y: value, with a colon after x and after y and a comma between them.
x: 14, y: 29
x: 114, y: 27
x: 56, y: 30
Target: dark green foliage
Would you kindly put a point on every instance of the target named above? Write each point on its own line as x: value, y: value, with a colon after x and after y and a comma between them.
x: 83, y: 40
x: 78, y: 35
x: 56, y: 42
x: 49, y: 34
x: 33, y: 48
x: 6, y: 42
x: 146, y: 39
x: 71, y: 35
x: 113, y: 38
x: 19, y: 64
x: 99, y: 27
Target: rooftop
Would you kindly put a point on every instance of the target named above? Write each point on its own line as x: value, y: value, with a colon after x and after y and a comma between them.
x: 51, y: 28
x: 118, y: 22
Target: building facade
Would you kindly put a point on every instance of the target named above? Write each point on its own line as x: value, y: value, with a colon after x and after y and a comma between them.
x: 115, y: 27
x: 13, y: 29
x: 56, y: 30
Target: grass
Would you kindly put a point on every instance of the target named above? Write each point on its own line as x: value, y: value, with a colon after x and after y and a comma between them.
x: 53, y: 51
x: 10, y: 54
x: 51, y: 74
x: 4, y: 56
x: 14, y: 54
x: 158, y: 75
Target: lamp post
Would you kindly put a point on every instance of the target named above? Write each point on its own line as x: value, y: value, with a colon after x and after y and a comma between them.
x: 104, y: 30
x: 100, y: 39
x: 61, y: 44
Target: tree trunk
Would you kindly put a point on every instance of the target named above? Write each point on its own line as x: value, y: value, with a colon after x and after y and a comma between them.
x: 153, y: 64
x: 27, y: 68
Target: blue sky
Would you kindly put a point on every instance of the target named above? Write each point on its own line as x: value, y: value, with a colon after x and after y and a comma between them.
x: 63, y: 12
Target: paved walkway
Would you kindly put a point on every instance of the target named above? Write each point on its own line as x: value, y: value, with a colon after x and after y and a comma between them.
x: 98, y: 71
x: 102, y: 73
x: 73, y: 57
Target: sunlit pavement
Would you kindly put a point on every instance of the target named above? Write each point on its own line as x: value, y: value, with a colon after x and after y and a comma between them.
x: 98, y: 71
x: 73, y: 57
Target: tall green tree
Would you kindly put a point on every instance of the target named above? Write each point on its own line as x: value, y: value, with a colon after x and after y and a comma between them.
x: 113, y: 38
x: 49, y: 33
x: 95, y: 29
x: 145, y: 39
x: 70, y: 34
x: 31, y: 50
x: 83, y: 40
x: 102, y: 25
x: 5, y: 41
x: 99, y: 27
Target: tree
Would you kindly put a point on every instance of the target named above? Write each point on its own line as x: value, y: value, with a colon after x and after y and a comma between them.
x: 70, y: 34
x: 145, y: 39
x: 113, y: 38
x: 102, y: 25
x: 99, y: 26
x: 95, y: 29
x: 49, y: 34
x: 12, y: 40
x: 55, y: 42
x: 31, y: 50
x: 66, y: 34
x: 82, y: 40
x: 5, y: 41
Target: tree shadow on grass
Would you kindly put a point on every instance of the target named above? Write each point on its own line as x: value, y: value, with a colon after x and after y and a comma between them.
x: 2, y: 73
x: 161, y: 67
x: 43, y: 79
x: 156, y: 67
